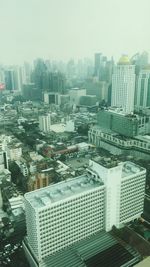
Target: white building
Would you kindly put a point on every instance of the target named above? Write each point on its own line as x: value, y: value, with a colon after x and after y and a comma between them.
x: 123, y: 85
x: 142, y: 99
x: 61, y: 214
x: 45, y: 123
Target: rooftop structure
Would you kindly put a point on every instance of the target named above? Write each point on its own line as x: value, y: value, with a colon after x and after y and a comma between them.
x: 61, y: 191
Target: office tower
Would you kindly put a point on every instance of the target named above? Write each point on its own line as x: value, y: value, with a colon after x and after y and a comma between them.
x: 142, y: 99
x: 98, y: 88
x: 97, y: 64
x: 45, y: 80
x: 13, y: 79
x: 45, y: 122
x: 2, y: 75
x: 109, y: 70
x: 30, y: 92
x: 140, y: 61
x: 123, y: 85
x: 26, y: 73
x: 9, y: 80
x: 38, y: 74
x: 57, y: 82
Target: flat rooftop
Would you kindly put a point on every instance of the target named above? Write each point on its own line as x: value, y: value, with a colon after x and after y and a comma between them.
x: 61, y: 191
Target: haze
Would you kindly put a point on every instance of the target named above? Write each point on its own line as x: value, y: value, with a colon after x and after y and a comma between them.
x: 64, y: 29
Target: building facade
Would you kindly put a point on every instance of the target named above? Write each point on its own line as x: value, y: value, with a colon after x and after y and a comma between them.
x: 123, y: 85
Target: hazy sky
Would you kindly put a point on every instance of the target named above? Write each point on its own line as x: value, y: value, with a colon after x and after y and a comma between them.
x: 64, y: 29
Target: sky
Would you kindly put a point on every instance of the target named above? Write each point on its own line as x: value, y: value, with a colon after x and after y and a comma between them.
x: 64, y: 29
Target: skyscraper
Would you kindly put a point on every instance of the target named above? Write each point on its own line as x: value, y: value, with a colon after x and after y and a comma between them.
x: 123, y: 85
x: 97, y: 64
x: 13, y: 79
x: 142, y: 99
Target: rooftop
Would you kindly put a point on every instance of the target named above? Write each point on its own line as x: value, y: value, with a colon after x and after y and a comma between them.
x: 107, y: 162
x: 61, y: 191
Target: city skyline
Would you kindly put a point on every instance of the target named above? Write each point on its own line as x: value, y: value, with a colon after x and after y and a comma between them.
x: 72, y: 29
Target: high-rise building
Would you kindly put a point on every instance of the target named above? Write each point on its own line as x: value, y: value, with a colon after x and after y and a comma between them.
x: 13, y: 79
x: 97, y: 64
x: 123, y: 85
x: 62, y: 214
x: 140, y: 61
x: 142, y: 99
x: 45, y: 122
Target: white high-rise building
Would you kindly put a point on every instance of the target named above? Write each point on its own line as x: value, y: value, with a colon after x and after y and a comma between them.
x: 110, y: 193
x: 45, y: 123
x: 123, y: 85
x: 142, y: 99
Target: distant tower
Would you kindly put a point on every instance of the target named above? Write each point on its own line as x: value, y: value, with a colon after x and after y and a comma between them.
x: 123, y: 85
x: 13, y: 79
x: 45, y: 122
x: 97, y: 64
x: 143, y: 89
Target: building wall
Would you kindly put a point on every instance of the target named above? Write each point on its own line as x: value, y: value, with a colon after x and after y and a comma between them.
x: 112, y: 180
x: 132, y: 197
x: 32, y: 229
